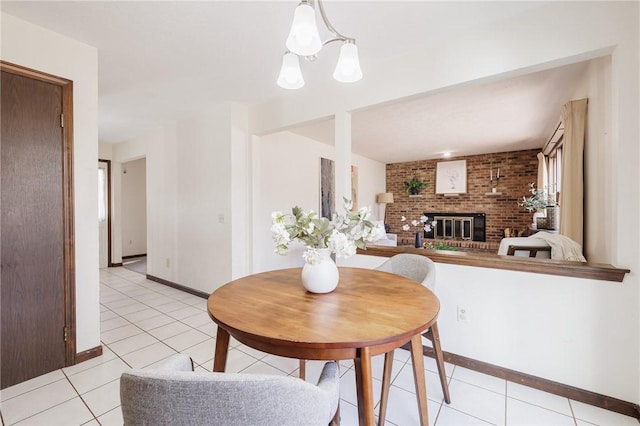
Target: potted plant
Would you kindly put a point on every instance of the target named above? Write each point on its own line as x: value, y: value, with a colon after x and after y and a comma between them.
x: 342, y: 235
x: 415, y: 185
x: 537, y: 202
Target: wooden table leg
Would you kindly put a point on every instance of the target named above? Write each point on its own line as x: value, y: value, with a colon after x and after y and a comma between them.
x: 386, y: 383
x: 364, y: 386
x: 303, y: 369
x: 418, y: 376
x: 222, y: 348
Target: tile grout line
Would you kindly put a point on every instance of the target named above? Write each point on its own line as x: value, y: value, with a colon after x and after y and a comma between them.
x: 147, y: 331
x: 157, y: 340
x: 81, y: 398
x: 49, y: 408
x: 506, y: 386
x: 154, y: 337
x: 572, y: 415
x: 575, y: 421
x: 153, y: 307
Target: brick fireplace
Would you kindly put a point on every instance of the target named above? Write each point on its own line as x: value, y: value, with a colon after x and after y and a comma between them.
x: 500, y: 209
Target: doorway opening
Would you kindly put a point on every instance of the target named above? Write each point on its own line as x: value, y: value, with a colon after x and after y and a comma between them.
x: 104, y: 212
x: 134, y: 215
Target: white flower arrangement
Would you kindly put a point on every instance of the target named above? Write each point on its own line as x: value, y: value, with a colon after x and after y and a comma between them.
x: 539, y: 199
x: 424, y: 223
x: 343, y: 234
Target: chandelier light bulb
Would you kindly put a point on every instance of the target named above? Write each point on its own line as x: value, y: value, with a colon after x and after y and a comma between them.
x: 290, y: 74
x: 304, y: 38
x: 348, y: 67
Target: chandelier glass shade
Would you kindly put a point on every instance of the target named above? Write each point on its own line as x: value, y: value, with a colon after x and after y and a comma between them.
x: 290, y: 74
x: 304, y: 40
x: 348, y: 66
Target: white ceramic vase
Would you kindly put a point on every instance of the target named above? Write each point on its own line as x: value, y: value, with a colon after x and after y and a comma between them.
x: 321, y: 277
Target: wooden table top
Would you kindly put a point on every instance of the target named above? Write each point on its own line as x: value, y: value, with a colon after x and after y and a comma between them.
x: 368, y: 308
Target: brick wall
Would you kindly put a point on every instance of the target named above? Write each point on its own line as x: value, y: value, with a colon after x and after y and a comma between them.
x: 517, y: 170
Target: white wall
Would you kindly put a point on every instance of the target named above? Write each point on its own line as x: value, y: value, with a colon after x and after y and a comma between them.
x: 590, y: 329
x: 160, y: 147
x: 204, y: 199
x: 105, y: 151
x: 34, y: 47
x: 194, y: 200
x: 286, y: 173
x: 598, y: 163
x: 559, y: 328
x: 134, y: 207
x: 241, y: 226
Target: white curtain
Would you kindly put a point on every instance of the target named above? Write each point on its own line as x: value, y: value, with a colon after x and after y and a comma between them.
x: 543, y: 175
x: 574, y: 117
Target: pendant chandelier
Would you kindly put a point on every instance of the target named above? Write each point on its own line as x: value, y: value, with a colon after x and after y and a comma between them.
x: 304, y: 41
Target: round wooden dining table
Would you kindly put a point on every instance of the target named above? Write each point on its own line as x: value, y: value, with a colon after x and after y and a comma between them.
x: 369, y: 313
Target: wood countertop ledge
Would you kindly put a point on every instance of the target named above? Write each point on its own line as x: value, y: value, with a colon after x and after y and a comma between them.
x: 594, y: 271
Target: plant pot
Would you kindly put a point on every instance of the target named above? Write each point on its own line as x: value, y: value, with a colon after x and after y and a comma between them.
x: 541, y: 222
x: 322, y: 276
x: 553, y: 214
x: 537, y: 215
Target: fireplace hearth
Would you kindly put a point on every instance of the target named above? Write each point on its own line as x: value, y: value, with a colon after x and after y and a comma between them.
x: 457, y: 226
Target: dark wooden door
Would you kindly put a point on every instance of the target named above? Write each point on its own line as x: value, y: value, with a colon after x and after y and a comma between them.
x: 32, y: 228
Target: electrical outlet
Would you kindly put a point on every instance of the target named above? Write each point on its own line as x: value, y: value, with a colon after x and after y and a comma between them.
x: 463, y: 314
x: 167, y: 262
x: 221, y: 218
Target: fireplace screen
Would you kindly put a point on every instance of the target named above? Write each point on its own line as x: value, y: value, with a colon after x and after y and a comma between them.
x: 454, y: 227
x: 459, y: 226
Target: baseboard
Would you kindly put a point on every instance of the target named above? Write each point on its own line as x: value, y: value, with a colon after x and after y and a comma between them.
x: 88, y: 354
x: 115, y: 265
x: 133, y: 256
x: 179, y: 287
x: 576, y: 394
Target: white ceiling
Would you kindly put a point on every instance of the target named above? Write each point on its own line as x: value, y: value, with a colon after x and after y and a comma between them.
x: 508, y: 115
x: 165, y: 60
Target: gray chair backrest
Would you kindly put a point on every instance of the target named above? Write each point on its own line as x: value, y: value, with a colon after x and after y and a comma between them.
x: 413, y: 266
x: 173, y: 396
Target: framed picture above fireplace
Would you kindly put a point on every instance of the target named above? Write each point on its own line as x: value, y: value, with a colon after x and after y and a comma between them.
x: 451, y: 177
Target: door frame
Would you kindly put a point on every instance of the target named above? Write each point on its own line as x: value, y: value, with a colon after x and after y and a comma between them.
x: 108, y: 178
x: 69, y: 272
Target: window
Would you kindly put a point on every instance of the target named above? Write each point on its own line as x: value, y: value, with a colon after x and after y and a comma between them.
x: 553, y: 151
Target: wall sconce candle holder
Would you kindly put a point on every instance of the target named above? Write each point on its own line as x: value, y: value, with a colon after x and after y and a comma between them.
x: 493, y: 183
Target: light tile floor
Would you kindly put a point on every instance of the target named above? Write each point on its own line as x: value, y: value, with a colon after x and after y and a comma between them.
x: 143, y: 323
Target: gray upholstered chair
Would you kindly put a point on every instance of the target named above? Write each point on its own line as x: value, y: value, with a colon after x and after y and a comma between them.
x: 176, y: 395
x: 423, y: 270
